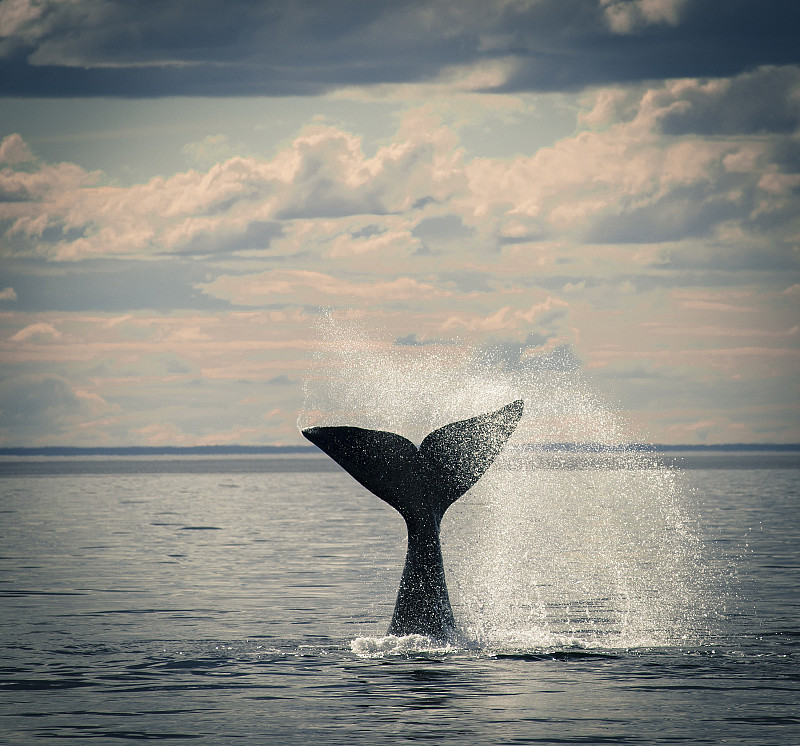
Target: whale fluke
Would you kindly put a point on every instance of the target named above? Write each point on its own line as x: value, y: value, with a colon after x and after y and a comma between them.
x: 421, y: 484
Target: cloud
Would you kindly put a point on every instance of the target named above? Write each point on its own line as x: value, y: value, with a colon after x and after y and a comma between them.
x: 741, y: 258
x: 508, y: 318
x: 439, y: 230
x: 130, y: 48
x: 652, y: 242
x: 388, y: 243
x: 39, y: 185
x: 620, y: 178
x: 33, y: 399
x: 684, y: 212
x: 224, y: 238
x: 765, y: 100
x: 625, y: 16
x: 37, y: 332
x: 512, y: 355
x: 316, y: 288
x: 170, y: 434
x: 46, y: 404
x: 281, y: 380
x: 412, y: 340
x: 64, y: 212
x: 14, y: 150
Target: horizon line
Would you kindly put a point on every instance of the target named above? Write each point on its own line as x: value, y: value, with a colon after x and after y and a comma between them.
x: 311, y: 449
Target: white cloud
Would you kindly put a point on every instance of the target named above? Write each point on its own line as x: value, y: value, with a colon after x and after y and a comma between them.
x: 8, y: 294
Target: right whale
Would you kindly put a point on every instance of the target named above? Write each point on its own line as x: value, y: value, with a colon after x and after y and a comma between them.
x: 421, y: 484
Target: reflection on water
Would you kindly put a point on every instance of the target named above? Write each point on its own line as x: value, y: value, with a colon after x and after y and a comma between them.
x: 227, y: 607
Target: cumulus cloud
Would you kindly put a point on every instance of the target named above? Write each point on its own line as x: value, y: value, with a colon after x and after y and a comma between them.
x: 64, y: 212
x: 619, y: 247
x: 628, y: 182
x: 13, y: 149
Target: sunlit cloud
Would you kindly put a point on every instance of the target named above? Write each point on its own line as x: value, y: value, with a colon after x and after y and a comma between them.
x: 582, y: 181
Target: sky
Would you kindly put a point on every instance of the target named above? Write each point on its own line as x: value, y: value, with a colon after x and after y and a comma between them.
x: 185, y: 187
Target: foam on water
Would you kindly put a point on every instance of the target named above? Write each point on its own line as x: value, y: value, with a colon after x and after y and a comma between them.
x: 394, y: 645
x: 590, y: 547
x: 532, y: 639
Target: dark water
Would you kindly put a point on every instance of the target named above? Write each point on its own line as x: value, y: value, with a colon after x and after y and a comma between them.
x: 244, y: 601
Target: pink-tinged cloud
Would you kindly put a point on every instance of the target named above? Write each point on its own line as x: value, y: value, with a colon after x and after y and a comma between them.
x: 658, y: 238
x: 504, y: 319
x: 41, y: 331
x: 13, y: 149
x: 304, y: 286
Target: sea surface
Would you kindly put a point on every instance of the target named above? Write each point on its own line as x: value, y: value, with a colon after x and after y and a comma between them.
x: 245, y: 601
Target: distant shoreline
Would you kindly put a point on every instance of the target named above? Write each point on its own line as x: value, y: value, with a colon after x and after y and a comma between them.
x: 228, y: 450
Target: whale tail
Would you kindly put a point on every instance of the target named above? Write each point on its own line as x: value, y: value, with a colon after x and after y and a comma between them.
x: 447, y: 463
x: 421, y: 483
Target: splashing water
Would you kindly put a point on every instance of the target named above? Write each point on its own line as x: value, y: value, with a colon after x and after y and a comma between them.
x: 587, y: 546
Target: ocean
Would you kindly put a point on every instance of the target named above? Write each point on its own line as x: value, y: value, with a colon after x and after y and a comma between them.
x: 244, y: 600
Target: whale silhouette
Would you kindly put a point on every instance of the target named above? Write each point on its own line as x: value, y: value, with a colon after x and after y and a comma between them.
x: 421, y: 484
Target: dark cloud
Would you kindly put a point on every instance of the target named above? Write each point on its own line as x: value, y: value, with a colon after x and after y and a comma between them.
x: 511, y: 355
x: 786, y: 154
x: 271, y: 47
x: 368, y: 231
x: 764, y: 101
x: 25, y: 400
x: 438, y: 233
x: 281, y: 380
x: 412, y: 340
x: 257, y: 235
x: 560, y: 359
x: 733, y: 258
x: 687, y: 212
x: 444, y: 228
x: 537, y: 339
x: 325, y: 197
